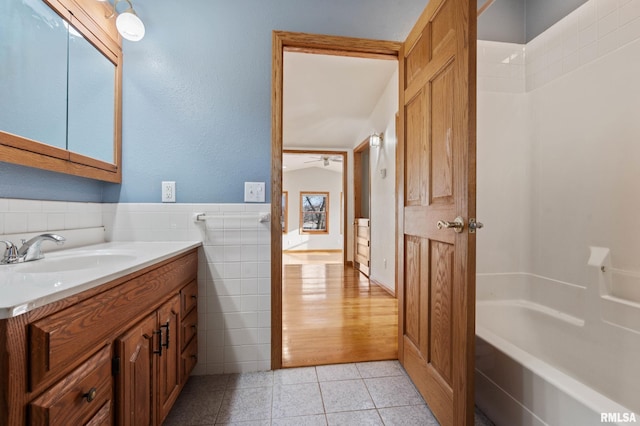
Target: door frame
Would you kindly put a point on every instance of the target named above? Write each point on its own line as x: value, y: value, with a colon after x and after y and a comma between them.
x: 309, y: 43
x: 357, y: 177
x: 357, y: 201
x: 345, y: 199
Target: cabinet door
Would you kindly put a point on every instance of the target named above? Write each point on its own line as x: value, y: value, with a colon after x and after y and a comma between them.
x: 169, y: 360
x: 135, y: 396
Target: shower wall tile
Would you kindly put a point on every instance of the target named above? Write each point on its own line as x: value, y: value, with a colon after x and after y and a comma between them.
x: 500, y: 67
x: 592, y: 31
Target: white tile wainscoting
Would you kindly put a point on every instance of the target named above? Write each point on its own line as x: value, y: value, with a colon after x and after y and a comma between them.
x: 234, y: 273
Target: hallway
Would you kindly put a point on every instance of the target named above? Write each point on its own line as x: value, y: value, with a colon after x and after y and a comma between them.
x: 332, y: 315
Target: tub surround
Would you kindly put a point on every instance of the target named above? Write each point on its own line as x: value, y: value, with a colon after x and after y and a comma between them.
x: 557, y: 160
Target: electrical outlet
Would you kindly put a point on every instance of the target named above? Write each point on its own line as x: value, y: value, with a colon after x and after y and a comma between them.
x: 168, y: 192
x: 254, y: 192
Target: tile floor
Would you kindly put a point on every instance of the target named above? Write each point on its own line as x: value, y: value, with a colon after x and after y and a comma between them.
x: 369, y: 393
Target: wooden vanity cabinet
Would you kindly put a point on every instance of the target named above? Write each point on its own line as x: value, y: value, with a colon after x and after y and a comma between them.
x: 114, y: 354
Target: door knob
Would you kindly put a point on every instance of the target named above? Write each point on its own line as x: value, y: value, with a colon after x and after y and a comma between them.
x: 473, y: 225
x: 457, y: 224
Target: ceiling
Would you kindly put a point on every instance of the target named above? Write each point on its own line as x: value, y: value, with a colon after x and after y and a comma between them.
x: 327, y: 100
x: 293, y: 162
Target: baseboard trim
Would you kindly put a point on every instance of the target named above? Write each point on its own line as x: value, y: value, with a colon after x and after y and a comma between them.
x: 313, y: 251
x: 385, y: 288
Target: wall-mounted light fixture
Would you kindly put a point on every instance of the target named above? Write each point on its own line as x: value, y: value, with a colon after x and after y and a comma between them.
x: 128, y: 23
x: 375, y: 140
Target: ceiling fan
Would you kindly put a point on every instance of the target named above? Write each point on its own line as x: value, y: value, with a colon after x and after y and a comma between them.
x: 326, y: 159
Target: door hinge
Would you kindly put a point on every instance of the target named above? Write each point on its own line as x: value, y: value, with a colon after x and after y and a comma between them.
x: 115, y: 366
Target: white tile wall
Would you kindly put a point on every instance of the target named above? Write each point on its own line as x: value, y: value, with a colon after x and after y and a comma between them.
x: 501, y: 67
x: 23, y: 216
x: 234, y: 275
x: 595, y: 29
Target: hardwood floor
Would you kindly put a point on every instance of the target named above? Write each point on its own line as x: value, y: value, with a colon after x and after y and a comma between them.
x: 307, y: 257
x: 331, y: 314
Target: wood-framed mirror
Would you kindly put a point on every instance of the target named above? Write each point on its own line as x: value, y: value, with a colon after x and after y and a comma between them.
x: 61, y: 85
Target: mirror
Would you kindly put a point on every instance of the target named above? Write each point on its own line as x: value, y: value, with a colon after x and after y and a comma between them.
x: 91, y: 101
x: 33, y: 70
x: 60, y: 88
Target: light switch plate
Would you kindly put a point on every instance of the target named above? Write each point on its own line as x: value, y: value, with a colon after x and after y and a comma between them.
x: 254, y: 192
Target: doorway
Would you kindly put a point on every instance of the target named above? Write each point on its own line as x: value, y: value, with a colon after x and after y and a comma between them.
x: 336, y: 48
x: 314, y: 207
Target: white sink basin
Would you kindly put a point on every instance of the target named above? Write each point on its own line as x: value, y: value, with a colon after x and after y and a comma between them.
x: 76, y: 262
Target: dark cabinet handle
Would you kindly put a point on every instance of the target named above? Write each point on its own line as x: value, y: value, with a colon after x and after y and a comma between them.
x: 91, y: 395
x: 159, y: 351
x: 194, y: 297
x: 166, y: 341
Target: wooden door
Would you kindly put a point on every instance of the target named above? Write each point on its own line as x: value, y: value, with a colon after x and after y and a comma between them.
x: 135, y: 394
x: 436, y: 155
x: 169, y: 358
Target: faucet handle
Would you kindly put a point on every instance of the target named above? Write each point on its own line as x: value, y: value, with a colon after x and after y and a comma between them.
x: 10, y: 253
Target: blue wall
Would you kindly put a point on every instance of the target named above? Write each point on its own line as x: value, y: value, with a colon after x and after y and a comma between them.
x: 197, y: 88
x: 197, y: 94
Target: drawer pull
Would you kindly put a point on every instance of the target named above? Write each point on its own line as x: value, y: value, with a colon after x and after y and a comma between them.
x: 166, y: 342
x: 195, y: 357
x: 194, y: 327
x: 194, y: 297
x: 91, y: 395
x: 159, y: 351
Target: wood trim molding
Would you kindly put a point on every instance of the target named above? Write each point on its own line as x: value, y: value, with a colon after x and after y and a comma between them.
x: 282, y: 40
x: 382, y: 286
x: 312, y: 251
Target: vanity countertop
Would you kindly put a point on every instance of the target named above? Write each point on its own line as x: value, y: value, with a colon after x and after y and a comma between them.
x: 29, y: 285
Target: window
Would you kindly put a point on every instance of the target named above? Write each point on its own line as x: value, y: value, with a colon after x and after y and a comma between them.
x: 313, y: 212
x: 285, y: 211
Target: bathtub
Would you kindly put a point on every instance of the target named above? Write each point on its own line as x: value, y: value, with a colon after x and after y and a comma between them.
x: 554, y: 353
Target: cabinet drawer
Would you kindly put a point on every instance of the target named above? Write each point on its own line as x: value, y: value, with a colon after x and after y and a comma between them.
x: 188, y: 298
x: 189, y: 359
x: 189, y: 328
x: 78, y: 397
x: 102, y: 417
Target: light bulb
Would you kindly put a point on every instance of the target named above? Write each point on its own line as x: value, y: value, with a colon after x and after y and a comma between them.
x: 130, y: 26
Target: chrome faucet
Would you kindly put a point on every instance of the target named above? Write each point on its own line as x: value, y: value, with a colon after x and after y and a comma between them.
x: 30, y: 250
